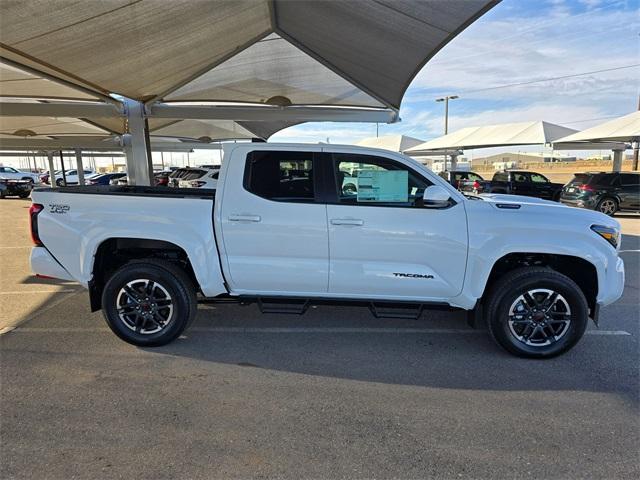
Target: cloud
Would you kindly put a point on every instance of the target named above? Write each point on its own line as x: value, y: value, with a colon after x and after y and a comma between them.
x: 517, y: 43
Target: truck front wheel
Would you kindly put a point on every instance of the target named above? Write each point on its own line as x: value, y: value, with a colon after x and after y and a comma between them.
x: 536, y: 312
x: 149, y: 303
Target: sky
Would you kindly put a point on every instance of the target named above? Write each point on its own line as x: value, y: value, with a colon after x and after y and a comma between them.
x: 518, y: 41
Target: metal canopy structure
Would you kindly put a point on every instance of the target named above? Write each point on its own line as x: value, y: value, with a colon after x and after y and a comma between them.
x: 395, y: 143
x: 500, y: 135
x: 621, y: 129
x: 602, y: 137
x: 213, y: 69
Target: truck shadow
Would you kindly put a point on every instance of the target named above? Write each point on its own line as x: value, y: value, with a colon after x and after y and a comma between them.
x: 451, y: 356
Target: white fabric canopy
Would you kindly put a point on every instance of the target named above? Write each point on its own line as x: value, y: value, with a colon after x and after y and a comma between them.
x: 324, y: 52
x: 395, y: 143
x: 622, y: 129
x: 505, y: 134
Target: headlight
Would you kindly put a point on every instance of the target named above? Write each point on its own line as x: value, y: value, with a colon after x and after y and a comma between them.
x: 610, y: 234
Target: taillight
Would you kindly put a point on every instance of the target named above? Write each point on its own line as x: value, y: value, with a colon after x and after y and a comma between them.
x: 163, y: 181
x: 586, y: 188
x: 476, y: 184
x: 34, y: 210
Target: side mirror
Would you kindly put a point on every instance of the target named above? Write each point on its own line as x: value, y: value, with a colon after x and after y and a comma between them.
x: 436, y: 197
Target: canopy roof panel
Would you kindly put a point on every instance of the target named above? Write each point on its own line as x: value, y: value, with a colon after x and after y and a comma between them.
x: 269, y: 69
x: 20, y: 84
x: 395, y: 143
x: 45, y: 126
x: 329, y: 52
x: 622, y: 129
x: 505, y: 134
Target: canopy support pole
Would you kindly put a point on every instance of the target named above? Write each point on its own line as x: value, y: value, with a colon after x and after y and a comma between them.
x: 137, y: 146
x: 52, y: 170
x: 617, y: 160
x: 79, y: 166
x: 454, y: 162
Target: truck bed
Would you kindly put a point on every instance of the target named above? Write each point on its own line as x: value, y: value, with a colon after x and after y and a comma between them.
x: 133, y: 190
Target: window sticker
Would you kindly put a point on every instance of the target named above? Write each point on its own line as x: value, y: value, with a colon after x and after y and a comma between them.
x: 383, y: 186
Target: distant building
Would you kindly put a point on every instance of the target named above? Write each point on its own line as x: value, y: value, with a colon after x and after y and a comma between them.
x: 518, y: 158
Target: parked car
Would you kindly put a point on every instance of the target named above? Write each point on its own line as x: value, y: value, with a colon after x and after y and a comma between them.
x: 70, y: 175
x: 529, y: 184
x: 466, y: 181
x: 534, y: 270
x: 15, y: 187
x: 105, y: 178
x: 12, y: 173
x: 161, y: 179
x: 192, y: 177
x: 606, y: 192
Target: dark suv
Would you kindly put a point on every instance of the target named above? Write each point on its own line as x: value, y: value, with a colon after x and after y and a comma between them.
x: 606, y: 192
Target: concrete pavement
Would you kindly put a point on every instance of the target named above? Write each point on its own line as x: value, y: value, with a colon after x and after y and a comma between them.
x: 333, y: 394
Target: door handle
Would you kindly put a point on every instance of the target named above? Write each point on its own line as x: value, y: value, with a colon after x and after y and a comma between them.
x: 347, y: 221
x: 244, y: 218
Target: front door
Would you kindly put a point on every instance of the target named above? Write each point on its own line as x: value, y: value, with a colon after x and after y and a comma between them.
x: 274, y: 232
x: 629, y: 191
x: 383, y: 242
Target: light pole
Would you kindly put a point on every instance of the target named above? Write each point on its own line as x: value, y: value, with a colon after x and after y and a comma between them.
x: 446, y: 110
x: 446, y: 120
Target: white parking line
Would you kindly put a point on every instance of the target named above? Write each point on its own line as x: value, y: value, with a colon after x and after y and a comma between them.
x: 36, y: 291
x: 288, y: 330
x: 27, y: 246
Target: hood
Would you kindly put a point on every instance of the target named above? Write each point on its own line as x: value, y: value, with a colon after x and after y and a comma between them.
x: 516, y: 199
x: 538, y: 209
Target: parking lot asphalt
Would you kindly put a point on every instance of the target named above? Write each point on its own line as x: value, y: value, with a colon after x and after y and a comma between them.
x: 332, y: 394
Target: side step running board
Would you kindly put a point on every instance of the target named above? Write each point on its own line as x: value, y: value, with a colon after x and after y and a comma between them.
x: 396, y: 310
x: 287, y: 306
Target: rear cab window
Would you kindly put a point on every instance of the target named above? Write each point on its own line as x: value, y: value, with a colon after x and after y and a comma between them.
x: 282, y: 176
x: 501, y: 177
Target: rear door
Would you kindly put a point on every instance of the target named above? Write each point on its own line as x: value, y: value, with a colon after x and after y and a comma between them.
x: 383, y: 242
x: 274, y: 227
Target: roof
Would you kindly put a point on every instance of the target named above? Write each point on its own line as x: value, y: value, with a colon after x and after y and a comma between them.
x: 278, y: 53
x: 504, y: 134
x: 330, y: 52
x: 622, y: 129
x: 395, y: 143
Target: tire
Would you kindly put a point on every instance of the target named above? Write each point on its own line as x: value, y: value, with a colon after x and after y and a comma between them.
x: 608, y: 206
x: 59, y: 182
x: 540, y: 328
x: 143, y: 321
x: 24, y: 195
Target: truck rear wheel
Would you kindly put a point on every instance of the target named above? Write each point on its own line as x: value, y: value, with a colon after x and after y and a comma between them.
x: 149, y: 303
x: 536, y: 312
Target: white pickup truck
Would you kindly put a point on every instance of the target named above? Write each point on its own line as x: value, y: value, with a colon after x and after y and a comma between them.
x: 281, y: 230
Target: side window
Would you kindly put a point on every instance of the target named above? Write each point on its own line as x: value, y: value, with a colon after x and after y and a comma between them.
x: 370, y: 180
x: 500, y: 177
x: 474, y: 176
x: 280, y: 176
x: 630, y: 179
x: 537, y: 178
x: 520, y: 178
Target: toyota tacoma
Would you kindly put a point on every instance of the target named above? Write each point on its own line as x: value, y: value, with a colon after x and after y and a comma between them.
x: 282, y: 230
